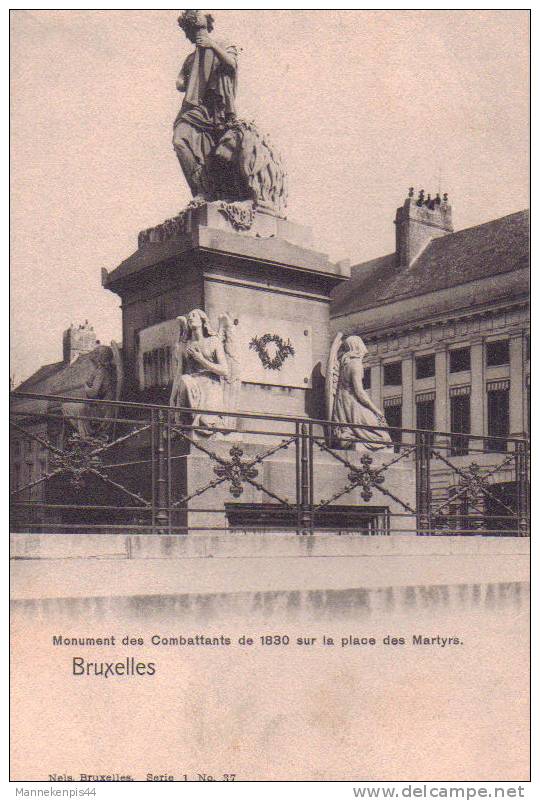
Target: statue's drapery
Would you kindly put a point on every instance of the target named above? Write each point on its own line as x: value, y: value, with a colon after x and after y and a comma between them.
x: 196, y: 388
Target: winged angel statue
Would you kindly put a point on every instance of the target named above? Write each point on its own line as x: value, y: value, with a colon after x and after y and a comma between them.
x: 97, y: 375
x: 348, y: 402
x: 207, y: 372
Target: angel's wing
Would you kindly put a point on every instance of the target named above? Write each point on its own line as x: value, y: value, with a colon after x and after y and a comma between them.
x: 227, y: 334
x: 119, y: 365
x: 183, y: 329
x: 177, y: 365
x: 332, y: 375
x: 179, y: 346
x: 231, y: 391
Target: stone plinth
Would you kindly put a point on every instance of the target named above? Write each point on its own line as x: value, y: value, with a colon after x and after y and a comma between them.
x: 222, y: 567
x: 258, y: 501
x: 267, y: 276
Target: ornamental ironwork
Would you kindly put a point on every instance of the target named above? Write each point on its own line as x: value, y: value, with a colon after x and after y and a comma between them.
x: 236, y: 471
x: 365, y: 478
x: 472, y: 481
x: 78, y: 459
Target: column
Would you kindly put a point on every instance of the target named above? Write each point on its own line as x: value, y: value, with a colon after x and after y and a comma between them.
x: 407, y: 408
x: 517, y: 424
x: 477, y: 387
x: 442, y: 415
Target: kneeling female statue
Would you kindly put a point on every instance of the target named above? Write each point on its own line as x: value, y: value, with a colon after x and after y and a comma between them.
x: 348, y: 402
x: 206, y: 376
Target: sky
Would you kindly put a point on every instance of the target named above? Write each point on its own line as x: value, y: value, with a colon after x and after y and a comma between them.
x: 361, y: 104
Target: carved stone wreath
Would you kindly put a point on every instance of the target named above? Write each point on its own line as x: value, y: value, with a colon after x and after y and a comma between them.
x: 284, y: 350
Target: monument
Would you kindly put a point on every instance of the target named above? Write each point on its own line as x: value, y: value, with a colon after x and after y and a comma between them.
x: 231, y: 252
x: 225, y: 307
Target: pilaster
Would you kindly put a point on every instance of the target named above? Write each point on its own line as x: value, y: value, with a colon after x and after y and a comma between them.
x: 477, y: 386
x: 517, y: 389
x: 407, y: 409
x: 442, y: 417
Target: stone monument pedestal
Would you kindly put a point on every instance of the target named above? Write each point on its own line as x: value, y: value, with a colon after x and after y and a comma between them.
x: 260, y: 269
x: 260, y: 492
x: 264, y: 273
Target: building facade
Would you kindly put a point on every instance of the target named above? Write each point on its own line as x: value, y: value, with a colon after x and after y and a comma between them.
x: 29, y: 459
x: 446, y: 322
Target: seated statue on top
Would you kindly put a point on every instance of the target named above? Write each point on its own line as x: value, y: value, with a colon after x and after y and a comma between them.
x: 222, y: 157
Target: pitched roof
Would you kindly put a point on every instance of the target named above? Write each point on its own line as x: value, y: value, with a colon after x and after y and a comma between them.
x: 486, y: 250
x: 45, y: 372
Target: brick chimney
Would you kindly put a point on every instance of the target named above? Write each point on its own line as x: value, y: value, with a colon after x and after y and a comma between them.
x: 419, y: 221
x: 78, y: 340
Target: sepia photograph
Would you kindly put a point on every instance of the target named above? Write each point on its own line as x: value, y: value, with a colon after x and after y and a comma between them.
x: 269, y: 459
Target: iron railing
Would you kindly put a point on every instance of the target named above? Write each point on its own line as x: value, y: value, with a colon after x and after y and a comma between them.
x: 105, y: 466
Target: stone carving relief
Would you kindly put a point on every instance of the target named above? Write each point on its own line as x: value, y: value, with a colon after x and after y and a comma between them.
x: 272, y: 350
x: 348, y: 402
x: 206, y: 372
x: 240, y: 215
x: 170, y: 229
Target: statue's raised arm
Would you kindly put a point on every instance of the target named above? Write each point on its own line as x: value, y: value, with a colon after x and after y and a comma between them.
x: 208, y: 78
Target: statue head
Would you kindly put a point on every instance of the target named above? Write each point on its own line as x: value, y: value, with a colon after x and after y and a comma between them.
x: 228, y: 145
x: 354, y: 347
x: 199, y: 319
x: 256, y: 167
x: 102, y: 356
x: 193, y: 21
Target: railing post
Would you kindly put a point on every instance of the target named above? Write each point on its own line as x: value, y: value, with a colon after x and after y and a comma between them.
x: 311, y: 477
x: 305, y: 511
x: 423, y: 490
x: 162, y: 517
x: 522, y: 484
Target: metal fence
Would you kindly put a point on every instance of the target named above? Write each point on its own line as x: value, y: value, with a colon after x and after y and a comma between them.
x: 105, y: 466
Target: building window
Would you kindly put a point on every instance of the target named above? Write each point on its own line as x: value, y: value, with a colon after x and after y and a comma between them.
x: 425, y: 412
x: 28, y: 446
x: 460, y: 421
x: 366, y: 381
x: 392, y: 413
x: 497, y: 353
x: 528, y: 347
x: 425, y: 366
x: 16, y: 447
x: 498, y: 396
x: 460, y: 360
x: 392, y: 374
